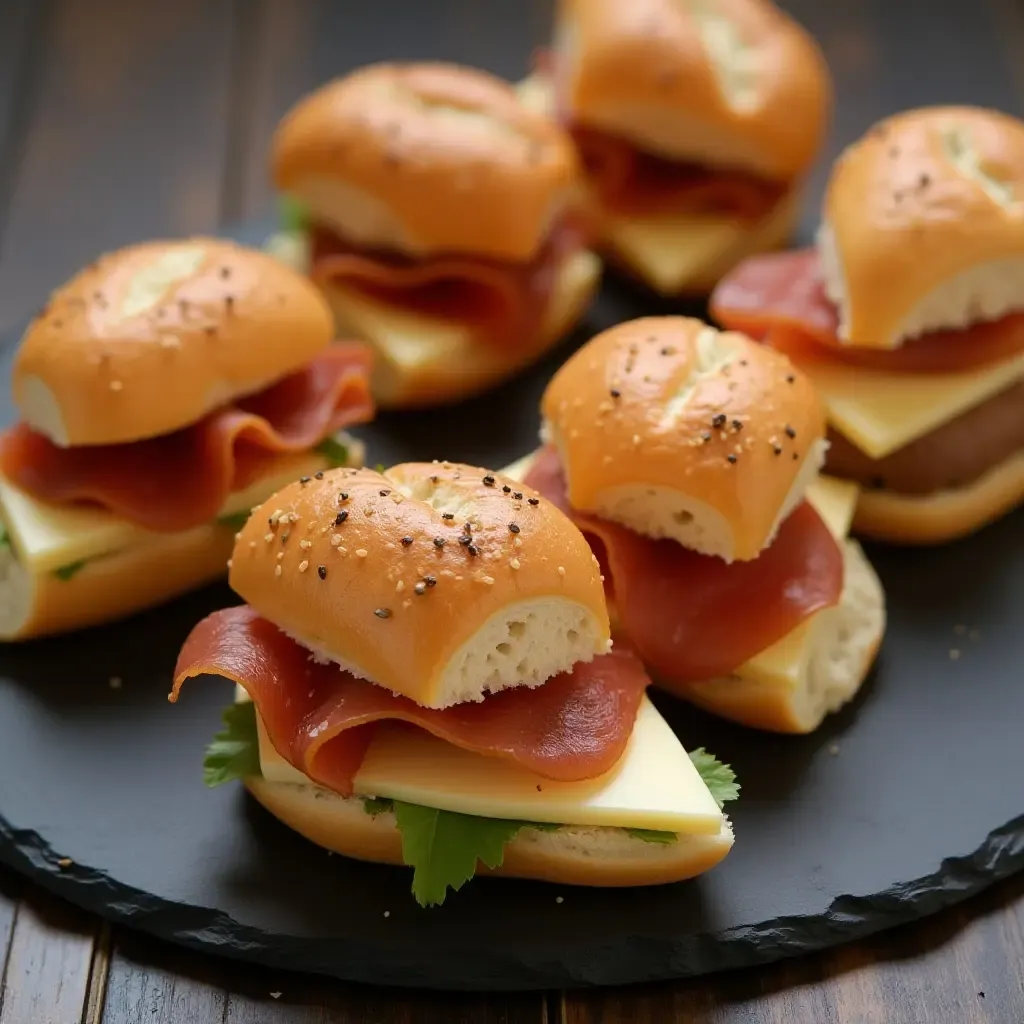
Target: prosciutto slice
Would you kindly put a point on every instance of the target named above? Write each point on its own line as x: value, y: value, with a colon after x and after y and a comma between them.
x: 320, y: 718
x: 180, y: 480
x: 780, y: 298
x: 693, y: 617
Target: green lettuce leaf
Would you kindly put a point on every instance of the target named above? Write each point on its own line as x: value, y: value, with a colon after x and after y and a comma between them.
x: 719, y: 778
x: 234, y: 752
x: 334, y: 451
x: 294, y: 215
x: 650, y: 835
x: 443, y: 848
x: 65, y: 572
x: 236, y: 520
x: 374, y: 805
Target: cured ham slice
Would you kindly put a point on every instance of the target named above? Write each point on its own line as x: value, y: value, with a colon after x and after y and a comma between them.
x: 504, y: 303
x: 693, y: 617
x: 320, y: 717
x: 628, y: 181
x: 180, y: 480
x: 780, y: 298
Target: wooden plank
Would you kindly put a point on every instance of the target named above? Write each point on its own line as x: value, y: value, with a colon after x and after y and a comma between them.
x: 126, y: 138
x: 157, y: 983
x: 963, y: 966
x: 46, y: 978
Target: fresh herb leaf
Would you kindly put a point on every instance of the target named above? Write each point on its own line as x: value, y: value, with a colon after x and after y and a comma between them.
x: 719, y: 778
x: 443, y: 848
x: 650, y: 835
x: 234, y: 752
x: 294, y: 215
x: 333, y: 451
x: 236, y: 520
x: 374, y: 805
x: 5, y: 537
x: 380, y: 467
x: 66, y: 572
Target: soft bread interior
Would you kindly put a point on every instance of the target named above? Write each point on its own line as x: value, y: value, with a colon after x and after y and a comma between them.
x: 987, y: 291
x: 813, y: 671
x: 423, y: 360
x: 525, y: 644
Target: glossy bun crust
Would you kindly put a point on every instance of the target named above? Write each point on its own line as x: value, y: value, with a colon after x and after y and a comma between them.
x: 151, y: 338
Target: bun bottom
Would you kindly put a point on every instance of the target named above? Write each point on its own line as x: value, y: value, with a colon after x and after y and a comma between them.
x: 945, y: 516
x: 419, y: 361
x: 573, y: 855
x: 838, y: 649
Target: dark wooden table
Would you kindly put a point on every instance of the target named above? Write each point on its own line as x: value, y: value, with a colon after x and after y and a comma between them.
x: 122, y: 119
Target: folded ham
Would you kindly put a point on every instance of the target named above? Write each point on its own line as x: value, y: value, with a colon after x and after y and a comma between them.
x: 693, y: 617
x: 780, y: 298
x: 320, y: 717
x: 503, y: 303
x: 180, y: 480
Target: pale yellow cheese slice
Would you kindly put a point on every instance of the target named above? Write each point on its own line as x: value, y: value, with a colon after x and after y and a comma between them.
x: 654, y: 785
x: 883, y: 412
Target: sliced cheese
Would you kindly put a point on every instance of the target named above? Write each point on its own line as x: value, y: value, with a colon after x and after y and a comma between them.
x: 46, y: 536
x: 835, y: 501
x: 883, y: 412
x: 654, y: 785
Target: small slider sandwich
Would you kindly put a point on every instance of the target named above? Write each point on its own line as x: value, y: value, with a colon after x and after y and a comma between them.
x: 426, y: 677
x: 163, y: 391
x: 436, y: 213
x: 908, y: 316
x: 695, y: 122
x: 690, y: 459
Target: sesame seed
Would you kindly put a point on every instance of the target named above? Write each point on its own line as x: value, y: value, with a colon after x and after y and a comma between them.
x: 518, y: 495
x: 268, y: 537
x: 340, y: 517
x: 776, y: 449
x: 705, y: 436
x: 361, y: 552
x: 406, y: 541
x: 465, y: 539
x: 305, y: 544
x: 280, y: 556
x: 514, y: 563
x: 319, y: 475
x: 790, y: 379
x: 335, y: 539
x: 795, y: 457
x: 513, y: 528
x: 737, y: 424
x: 489, y: 580
x: 399, y: 586
x: 488, y: 480
x: 304, y: 480
x: 506, y: 489
x: 303, y: 565
x: 321, y: 571
x: 447, y: 515
x: 636, y: 440
x: 731, y: 459
x: 561, y: 570
x: 473, y: 550
x: 517, y: 542
x: 277, y: 570
x: 668, y: 350
x: 420, y: 588
x: 533, y: 501
x: 116, y: 385
x: 382, y: 613
x: 343, y: 552
x: 368, y: 511
x: 789, y: 432
x: 343, y: 496
x: 431, y: 581
x: 615, y: 393
x: 718, y: 421
x: 439, y: 542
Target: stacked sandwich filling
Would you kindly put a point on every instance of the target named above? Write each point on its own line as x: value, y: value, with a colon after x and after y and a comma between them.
x: 685, y: 456
x: 436, y: 637
x: 907, y: 316
x: 163, y: 391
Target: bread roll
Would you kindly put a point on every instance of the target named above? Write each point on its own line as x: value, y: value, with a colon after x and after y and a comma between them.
x: 678, y: 430
x: 923, y: 225
x: 426, y: 159
x: 151, y: 338
x: 440, y: 582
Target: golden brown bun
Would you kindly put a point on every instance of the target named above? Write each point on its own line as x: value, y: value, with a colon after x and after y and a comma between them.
x: 151, y: 338
x: 838, y: 648
x: 363, y: 568
x: 149, y: 570
x: 426, y: 158
x: 578, y: 855
x: 736, y: 83
x: 945, y: 516
x: 923, y: 225
x: 647, y: 415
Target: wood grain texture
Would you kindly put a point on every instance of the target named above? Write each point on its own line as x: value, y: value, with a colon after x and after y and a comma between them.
x: 126, y: 138
x: 49, y: 961
x: 961, y: 967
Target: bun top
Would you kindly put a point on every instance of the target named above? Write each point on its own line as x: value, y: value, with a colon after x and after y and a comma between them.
x: 677, y: 430
x: 733, y: 83
x: 151, y: 338
x: 441, y: 582
x: 427, y: 158
x: 923, y: 225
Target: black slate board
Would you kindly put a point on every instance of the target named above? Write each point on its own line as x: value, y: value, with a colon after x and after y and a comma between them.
x: 909, y: 800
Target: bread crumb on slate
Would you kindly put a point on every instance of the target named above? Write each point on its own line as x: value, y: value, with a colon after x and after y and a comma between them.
x: 954, y: 654
x: 833, y: 749
x: 114, y: 682
x: 65, y: 862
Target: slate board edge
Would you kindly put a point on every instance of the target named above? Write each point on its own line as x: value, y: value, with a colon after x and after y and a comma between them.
x: 847, y: 918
